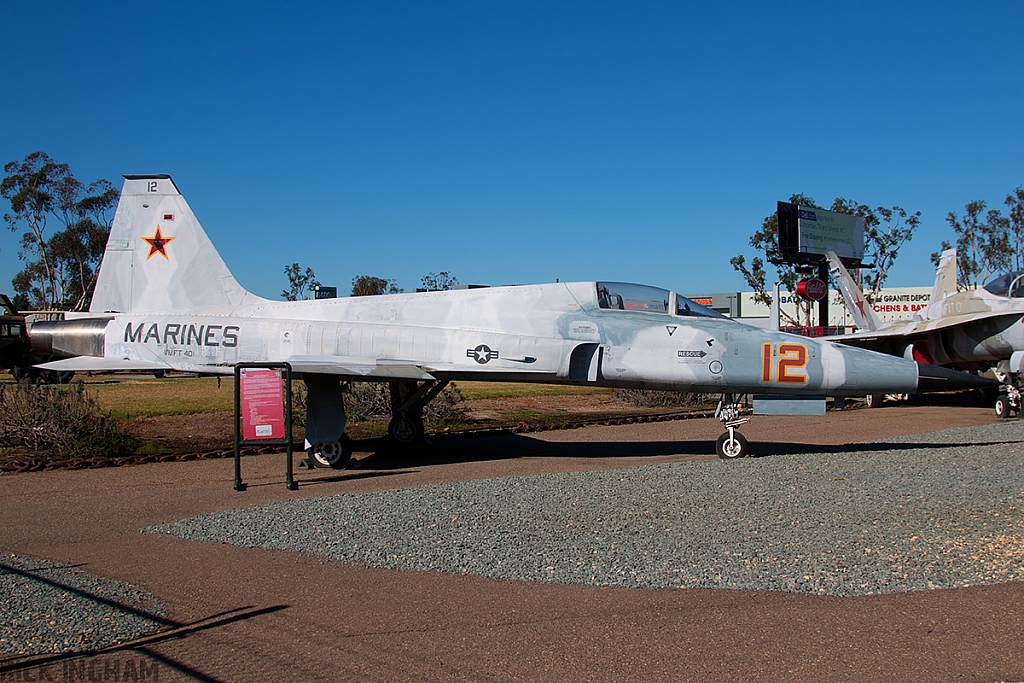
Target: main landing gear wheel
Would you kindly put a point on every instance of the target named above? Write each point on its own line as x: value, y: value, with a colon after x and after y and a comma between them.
x: 1003, y: 405
x: 731, y: 446
x: 874, y: 400
x: 405, y: 430
x: 333, y: 454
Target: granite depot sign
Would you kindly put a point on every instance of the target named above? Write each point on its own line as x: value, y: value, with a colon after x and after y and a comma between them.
x: 894, y: 303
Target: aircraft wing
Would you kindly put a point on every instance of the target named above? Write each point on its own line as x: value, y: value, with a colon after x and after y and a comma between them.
x: 953, y: 320
x: 910, y: 329
x: 359, y: 368
x: 98, y: 364
x: 380, y: 369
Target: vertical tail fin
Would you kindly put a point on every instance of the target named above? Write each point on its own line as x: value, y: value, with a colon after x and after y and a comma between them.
x: 158, y: 257
x: 945, y: 277
x: 863, y: 314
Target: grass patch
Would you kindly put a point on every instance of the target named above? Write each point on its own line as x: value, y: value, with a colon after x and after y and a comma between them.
x: 149, y: 397
x: 143, y: 396
x: 152, y: 448
x: 524, y: 415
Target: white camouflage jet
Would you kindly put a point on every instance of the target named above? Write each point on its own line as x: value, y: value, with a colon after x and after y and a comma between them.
x: 974, y: 330
x: 165, y: 300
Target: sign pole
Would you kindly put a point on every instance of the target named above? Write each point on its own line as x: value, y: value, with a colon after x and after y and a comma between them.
x: 823, y: 304
x: 239, y: 485
x: 263, y: 413
x: 289, y: 481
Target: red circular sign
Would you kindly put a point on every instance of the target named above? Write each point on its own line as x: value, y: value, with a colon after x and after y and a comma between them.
x: 813, y: 289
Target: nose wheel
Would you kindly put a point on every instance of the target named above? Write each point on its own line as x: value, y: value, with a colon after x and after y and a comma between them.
x: 732, y: 444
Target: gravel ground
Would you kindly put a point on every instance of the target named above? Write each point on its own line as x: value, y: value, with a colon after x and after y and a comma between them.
x: 51, y: 607
x: 921, y: 512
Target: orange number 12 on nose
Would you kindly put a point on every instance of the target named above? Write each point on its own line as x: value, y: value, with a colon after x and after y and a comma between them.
x: 790, y: 364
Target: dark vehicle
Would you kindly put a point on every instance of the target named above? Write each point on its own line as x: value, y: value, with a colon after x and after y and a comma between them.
x: 16, y: 351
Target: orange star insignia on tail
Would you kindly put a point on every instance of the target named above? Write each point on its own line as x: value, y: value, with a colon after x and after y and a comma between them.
x: 157, y: 244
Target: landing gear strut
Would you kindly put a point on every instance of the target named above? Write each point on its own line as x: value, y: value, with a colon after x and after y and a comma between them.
x: 407, y: 402
x: 731, y: 444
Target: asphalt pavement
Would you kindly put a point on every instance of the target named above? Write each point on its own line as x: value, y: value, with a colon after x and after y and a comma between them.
x: 222, y: 612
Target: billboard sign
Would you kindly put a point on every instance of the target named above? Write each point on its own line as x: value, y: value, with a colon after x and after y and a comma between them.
x: 806, y: 233
x: 322, y: 292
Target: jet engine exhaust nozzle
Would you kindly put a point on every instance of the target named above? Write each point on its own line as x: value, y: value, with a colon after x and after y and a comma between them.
x: 937, y: 378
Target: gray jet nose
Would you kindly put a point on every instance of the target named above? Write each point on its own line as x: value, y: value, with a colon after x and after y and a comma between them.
x: 936, y: 378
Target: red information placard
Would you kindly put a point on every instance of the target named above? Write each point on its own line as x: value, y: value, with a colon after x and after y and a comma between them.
x: 262, y: 404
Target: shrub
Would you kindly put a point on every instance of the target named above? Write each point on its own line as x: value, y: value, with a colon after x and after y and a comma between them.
x: 372, y: 400
x: 367, y: 400
x: 447, y: 408
x: 58, y: 420
x: 298, y: 403
x: 645, y: 398
x: 108, y: 442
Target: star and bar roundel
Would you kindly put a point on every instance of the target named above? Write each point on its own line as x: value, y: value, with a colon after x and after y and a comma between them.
x: 157, y: 244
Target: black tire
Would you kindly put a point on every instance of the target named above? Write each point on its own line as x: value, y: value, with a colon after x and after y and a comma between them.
x: 405, y: 430
x: 334, y: 455
x: 1003, y: 406
x: 875, y: 400
x: 731, y: 449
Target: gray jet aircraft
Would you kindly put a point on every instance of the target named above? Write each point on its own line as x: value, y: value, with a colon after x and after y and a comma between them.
x: 975, y: 330
x: 165, y: 300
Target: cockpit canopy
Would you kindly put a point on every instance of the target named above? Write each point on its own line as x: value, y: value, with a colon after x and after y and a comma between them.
x: 623, y: 296
x: 1009, y: 284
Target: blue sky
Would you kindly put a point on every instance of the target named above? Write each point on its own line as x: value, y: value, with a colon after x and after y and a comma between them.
x: 520, y: 142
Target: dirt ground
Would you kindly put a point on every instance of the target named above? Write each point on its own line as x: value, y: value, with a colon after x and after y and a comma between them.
x: 248, y: 615
x: 215, y: 430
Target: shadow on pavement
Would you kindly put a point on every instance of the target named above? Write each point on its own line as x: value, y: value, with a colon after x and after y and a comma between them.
x: 504, y: 446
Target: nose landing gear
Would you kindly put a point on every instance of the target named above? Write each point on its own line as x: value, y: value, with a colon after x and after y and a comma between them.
x: 731, y: 444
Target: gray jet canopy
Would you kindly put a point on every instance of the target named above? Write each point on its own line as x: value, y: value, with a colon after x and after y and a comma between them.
x: 624, y: 296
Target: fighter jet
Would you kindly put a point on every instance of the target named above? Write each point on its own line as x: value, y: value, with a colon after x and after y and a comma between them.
x: 165, y: 300
x: 974, y: 330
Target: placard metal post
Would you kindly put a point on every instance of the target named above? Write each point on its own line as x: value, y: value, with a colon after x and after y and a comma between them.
x: 263, y: 413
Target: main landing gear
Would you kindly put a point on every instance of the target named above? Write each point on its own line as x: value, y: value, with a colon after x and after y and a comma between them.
x: 407, y: 402
x: 326, y: 443
x: 1008, y: 401
x: 731, y: 444
x: 333, y: 454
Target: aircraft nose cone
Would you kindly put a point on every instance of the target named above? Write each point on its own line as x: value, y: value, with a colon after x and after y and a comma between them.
x: 936, y: 378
